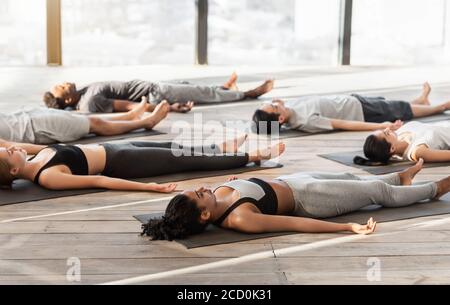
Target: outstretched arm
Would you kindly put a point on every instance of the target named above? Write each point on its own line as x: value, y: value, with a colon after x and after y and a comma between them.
x: 363, y: 126
x: 56, y: 180
x: 125, y: 106
x: 431, y: 155
x: 31, y: 149
x: 260, y: 223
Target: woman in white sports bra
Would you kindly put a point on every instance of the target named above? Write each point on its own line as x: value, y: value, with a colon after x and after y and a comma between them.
x: 293, y: 202
x: 411, y: 142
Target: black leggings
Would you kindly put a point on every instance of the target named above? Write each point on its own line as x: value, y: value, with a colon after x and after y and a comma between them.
x: 148, y: 159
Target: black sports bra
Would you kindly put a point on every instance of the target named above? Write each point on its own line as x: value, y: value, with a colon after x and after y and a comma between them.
x: 71, y: 156
x: 267, y: 204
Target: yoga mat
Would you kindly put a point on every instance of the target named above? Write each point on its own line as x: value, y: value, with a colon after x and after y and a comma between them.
x: 215, y: 235
x: 290, y: 133
x: 286, y: 133
x: 346, y: 158
x: 25, y: 191
x: 434, y: 118
x: 92, y: 138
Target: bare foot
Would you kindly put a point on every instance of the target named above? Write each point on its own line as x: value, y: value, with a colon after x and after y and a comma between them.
x: 182, y: 108
x: 267, y: 153
x: 407, y: 176
x: 232, y: 146
x: 263, y: 89
x: 160, y: 112
x: 423, y: 98
x: 139, y: 111
x: 231, y: 83
x: 443, y: 187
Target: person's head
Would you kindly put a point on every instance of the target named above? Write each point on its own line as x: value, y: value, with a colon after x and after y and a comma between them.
x: 12, y: 160
x: 187, y: 213
x: 61, y: 96
x: 378, y: 148
x: 274, y: 113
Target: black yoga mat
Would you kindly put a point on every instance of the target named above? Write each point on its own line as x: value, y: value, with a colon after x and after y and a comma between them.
x: 215, y: 236
x: 25, y: 191
x: 92, y: 138
x: 346, y: 158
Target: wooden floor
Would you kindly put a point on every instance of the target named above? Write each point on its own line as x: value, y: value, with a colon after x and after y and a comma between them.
x: 38, y: 238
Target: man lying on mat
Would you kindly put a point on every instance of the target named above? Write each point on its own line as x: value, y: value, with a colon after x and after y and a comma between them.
x: 63, y: 167
x: 344, y: 112
x: 110, y: 97
x: 411, y: 142
x: 45, y: 126
x: 290, y: 203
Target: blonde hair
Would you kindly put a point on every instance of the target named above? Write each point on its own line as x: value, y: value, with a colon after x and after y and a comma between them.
x: 6, y: 179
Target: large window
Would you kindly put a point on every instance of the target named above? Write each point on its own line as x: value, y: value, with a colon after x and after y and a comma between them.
x: 265, y: 32
x: 128, y: 32
x: 400, y: 32
x: 22, y: 32
x: 273, y: 32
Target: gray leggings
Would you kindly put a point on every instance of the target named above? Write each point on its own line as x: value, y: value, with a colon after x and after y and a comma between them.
x: 149, y: 159
x: 185, y: 92
x: 322, y: 195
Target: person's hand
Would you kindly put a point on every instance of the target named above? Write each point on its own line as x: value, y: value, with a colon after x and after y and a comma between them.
x: 162, y: 188
x: 4, y: 143
x: 393, y: 126
x: 182, y: 108
x: 364, y: 229
x: 232, y: 178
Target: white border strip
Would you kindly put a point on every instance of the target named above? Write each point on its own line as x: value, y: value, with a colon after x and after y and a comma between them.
x: 86, y: 210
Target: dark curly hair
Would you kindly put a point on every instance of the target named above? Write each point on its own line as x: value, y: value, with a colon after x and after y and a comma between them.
x: 181, y: 219
x: 377, y: 151
x: 271, y: 120
x: 53, y: 102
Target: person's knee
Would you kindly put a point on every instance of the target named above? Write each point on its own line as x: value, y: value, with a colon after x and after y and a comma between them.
x: 98, y: 126
x: 385, y: 193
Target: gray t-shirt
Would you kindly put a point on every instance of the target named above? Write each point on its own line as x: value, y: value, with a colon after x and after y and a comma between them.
x: 99, y: 97
x: 17, y: 126
x: 43, y: 126
x: 313, y: 114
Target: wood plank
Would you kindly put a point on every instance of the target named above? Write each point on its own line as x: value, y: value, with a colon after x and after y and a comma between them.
x: 168, y: 249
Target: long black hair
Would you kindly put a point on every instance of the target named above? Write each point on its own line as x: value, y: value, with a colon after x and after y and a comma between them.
x: 271, y: 120
x: 377, y: 151
x: 181, y: 219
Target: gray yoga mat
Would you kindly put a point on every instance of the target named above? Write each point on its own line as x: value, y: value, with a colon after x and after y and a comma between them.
x: 92, y: 138
x: 434, y: 118
x: 286, y: 133
x: 215, y: 235
x: 346, y: 158
x: 25, y: 191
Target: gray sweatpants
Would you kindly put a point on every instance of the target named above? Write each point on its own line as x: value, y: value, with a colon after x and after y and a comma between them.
x: 185, y: 92
x: 322, y: 195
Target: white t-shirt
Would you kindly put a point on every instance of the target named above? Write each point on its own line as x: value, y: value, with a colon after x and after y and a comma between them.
x: 313, y: 114
x: 434, y: 136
